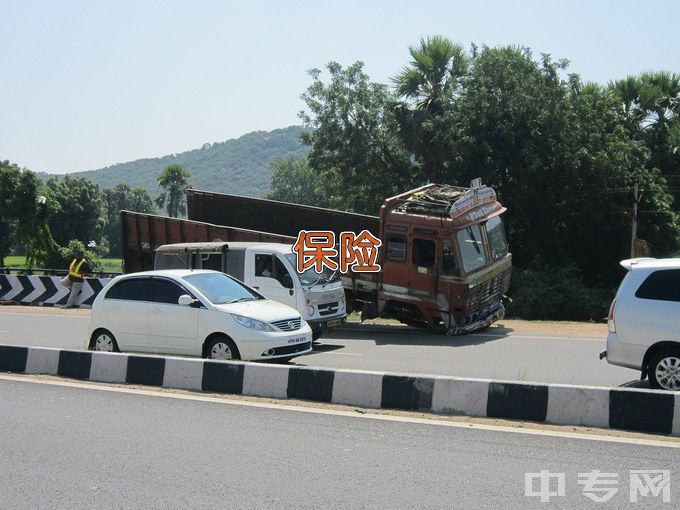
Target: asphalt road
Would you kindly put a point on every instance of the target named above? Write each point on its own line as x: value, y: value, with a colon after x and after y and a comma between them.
x: 65, y: 447
x: 497, y: 353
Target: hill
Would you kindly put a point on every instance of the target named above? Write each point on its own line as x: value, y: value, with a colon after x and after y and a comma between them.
x: 239, y: 166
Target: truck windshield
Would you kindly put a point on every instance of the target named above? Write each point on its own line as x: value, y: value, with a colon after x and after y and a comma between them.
x: 498, y: 246
x: 311, y: 277
x: 471, y: 248
x: 220, y: 289
x: 171, y: 260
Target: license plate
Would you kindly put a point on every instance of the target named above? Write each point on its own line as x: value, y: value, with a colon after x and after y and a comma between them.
x: 334, y: 323
x: 297, y: 340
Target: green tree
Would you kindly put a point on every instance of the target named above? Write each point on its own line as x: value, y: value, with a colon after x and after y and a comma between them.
x: 562, y: 161
x: 119, y: 198
x: 80, y: 213
x: 355, y: 146
x: 174, y: 180
x: 19, y: 190
x: 429, y: 85
x: 651, y: 105
x: 293, y: 180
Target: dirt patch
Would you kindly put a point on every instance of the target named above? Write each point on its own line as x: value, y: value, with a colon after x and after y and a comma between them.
x: 45, y: 310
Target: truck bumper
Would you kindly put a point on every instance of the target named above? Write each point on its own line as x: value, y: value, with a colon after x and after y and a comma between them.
x: 333, y: 322
x: 494, y: 316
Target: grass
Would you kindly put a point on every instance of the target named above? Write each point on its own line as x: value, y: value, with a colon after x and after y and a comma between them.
x: 109, y: 265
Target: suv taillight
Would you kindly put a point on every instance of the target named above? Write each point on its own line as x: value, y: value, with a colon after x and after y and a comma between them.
x: 610, y: 320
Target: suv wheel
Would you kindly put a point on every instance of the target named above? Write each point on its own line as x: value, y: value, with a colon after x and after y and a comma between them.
x: 664, y: 370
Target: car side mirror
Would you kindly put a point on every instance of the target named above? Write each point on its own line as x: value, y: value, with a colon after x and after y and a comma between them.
x: 185, y: 300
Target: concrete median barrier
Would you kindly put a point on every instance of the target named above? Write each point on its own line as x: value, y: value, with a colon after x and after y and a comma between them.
x: 620, y: 408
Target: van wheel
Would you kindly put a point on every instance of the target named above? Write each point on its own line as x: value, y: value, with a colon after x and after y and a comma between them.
x: 664, y: 370
x: 222, y: 348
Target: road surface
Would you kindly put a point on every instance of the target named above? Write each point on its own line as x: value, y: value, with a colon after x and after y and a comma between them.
x: 72, y: 447
x: 567, y: 355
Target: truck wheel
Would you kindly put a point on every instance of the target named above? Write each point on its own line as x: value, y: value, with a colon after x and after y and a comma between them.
x: 664, y: 370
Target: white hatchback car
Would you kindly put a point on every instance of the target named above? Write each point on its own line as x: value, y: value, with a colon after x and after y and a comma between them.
x: 644, y: 321
x: 196, y: 313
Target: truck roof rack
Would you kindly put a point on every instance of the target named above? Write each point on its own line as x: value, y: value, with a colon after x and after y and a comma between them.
x: 434, y: 201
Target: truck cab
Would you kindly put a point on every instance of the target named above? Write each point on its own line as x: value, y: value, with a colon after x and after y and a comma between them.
x: 269, y: 268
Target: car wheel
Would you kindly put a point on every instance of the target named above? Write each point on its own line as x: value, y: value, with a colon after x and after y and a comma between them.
x: 222, y: 348
x: 104, y: 341
x: 664, y: 370
x: 316, y: 335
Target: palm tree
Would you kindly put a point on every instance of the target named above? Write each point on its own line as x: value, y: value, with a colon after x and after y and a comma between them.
x: 428, y: 85
x: 174, y: 180
x: 434, y: 73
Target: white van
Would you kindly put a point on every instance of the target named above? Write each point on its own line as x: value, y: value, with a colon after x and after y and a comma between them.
x: 644, y: 321
x: 270, y: 268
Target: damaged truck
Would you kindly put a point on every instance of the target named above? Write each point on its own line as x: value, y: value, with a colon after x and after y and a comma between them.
x: 444, y: 256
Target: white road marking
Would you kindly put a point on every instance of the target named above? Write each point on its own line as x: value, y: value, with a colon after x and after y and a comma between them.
x: 4, y: 331
x: 352, y: 414
x: 340, y: 353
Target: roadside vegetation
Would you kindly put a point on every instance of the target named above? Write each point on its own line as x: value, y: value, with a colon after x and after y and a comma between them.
x: 563, y: 155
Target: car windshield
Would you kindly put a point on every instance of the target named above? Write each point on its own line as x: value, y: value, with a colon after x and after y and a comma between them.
x: 220, y: 289
x: 311, y: 277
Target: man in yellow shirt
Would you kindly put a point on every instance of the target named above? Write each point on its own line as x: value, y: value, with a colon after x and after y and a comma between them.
x: 76, y: 276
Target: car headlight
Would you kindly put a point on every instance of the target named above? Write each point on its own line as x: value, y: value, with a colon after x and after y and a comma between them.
x: 252, y: 323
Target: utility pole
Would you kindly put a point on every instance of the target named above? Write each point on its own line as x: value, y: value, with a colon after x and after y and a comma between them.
x: 636, y: 201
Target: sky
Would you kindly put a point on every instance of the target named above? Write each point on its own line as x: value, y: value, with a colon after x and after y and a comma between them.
x: 88, y: 84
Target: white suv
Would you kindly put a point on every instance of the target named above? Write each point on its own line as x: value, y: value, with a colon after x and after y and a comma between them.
x: 644, y: 321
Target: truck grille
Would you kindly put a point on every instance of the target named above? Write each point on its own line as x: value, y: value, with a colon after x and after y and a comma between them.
x: 483, y: 299
x: 288, y: 324
x: 328, y: 308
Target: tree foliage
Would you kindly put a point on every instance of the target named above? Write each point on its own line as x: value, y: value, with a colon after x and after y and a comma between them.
x: 80, y: 210
x: 119, y: 198
x: 563, y: 155
x: 293, y: 180
x: 428, y: 84
x: 355, y: 145
x: 19, y: 211
x: 173, y: 181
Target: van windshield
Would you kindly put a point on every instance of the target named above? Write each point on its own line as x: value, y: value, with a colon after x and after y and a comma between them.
x: 220, y: 289
x: 171, y: 260
x: 311, y: 277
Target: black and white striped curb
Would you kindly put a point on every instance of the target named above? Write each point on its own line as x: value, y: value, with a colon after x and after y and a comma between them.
x: 619, y: 408
x: 46, y: 290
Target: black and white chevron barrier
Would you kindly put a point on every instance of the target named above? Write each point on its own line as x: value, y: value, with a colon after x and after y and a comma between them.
x: 46, y: 290
x: 619, y: 408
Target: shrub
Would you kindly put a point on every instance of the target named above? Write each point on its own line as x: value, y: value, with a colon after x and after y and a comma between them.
x: 556, y: 294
